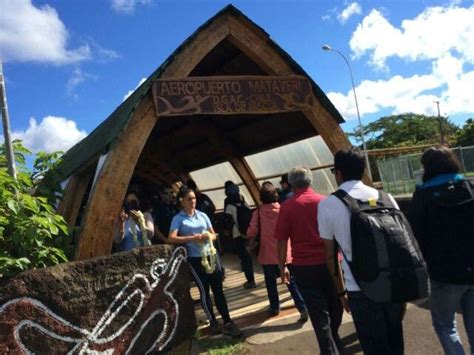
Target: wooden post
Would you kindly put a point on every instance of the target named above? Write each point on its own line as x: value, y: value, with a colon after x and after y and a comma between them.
x: 73, y: 195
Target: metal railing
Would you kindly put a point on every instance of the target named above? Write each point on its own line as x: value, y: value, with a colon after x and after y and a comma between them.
x: 400, y: 175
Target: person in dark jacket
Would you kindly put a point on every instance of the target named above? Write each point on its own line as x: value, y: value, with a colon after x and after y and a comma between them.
x: 285, y: 191
x: 232, y: 203
x: 442, y: 218
x: 203, y: 202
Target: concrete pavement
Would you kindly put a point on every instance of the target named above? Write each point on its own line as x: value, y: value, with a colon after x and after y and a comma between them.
x: 284, y: 335
x: 419, y: 336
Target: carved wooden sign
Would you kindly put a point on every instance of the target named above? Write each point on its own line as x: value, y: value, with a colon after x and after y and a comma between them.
x: 232, y: 95
x: 128, y: 303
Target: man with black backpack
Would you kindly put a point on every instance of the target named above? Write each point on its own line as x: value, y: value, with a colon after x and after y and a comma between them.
x: 236, y: 207
x: 442, y: 217
x: 382, y: 264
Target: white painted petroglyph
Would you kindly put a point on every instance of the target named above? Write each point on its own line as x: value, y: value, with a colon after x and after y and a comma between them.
x: 142, y: 288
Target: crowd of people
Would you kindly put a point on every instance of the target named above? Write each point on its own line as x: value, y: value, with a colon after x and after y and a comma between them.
x: 353, y: 250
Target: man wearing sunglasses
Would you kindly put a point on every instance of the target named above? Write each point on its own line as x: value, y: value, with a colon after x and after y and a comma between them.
x: 163, y: 212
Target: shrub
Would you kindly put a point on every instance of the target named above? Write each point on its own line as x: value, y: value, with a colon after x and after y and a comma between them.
x: 32, y: 235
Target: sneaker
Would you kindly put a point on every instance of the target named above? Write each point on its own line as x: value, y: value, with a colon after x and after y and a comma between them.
x: 250, y: 284
x: 273, y: 312
x: 303, y: 317
x: 232, y: 330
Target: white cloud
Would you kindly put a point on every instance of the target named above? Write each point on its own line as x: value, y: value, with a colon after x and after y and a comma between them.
x: 374, y: 96
x: 349, y: 11
x: 37, y: 34
x: 28, y: 33
x: 329, y: 14
x: 458, y: 98
x: 77, y: 78
x: 412, y: 94
x: 440, y: 39
x: 102, y: 54
x: 447, y: 67
x: 130, y: 92
x: 50, y: 135
x: 127, y: 6
x: 430, y: 35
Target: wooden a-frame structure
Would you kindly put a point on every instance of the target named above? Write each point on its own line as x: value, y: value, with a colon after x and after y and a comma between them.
x: 140, y: 138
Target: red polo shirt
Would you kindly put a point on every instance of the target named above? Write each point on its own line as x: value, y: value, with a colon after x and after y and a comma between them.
x: 298, y: 221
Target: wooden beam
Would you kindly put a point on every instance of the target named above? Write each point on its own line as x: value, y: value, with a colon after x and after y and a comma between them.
x: 73, y: 195
x: 99, y: 222
x: 247, y: 176
x: 255, y: 45
x: 153, y: 178
x: 332, y: 134
x: 194, y: 51
x: 224, y: 144
x: 162, y: 159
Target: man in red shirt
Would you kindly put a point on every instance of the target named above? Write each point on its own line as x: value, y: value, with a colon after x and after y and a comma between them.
x: 298, y: 221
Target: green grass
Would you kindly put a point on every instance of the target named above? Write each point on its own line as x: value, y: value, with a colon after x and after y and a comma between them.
x: 221, y: 346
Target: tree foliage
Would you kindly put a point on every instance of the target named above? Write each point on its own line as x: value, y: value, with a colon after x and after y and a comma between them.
x: 465, y: 136
x: 32, y: 235
x: 406, y: 129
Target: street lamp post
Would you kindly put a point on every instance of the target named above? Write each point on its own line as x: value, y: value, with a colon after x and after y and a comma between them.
x: 441, y: 133
x: 327, y: 47
x: 6, y: 125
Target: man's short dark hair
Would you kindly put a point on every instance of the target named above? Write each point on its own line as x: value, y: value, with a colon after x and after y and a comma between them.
x: 350, y: 162
x: 191, y: 184
x: 162, y: 188
x: 284, y: 179
x: 268, y: 194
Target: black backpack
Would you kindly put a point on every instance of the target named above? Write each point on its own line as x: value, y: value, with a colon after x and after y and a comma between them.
x: 222, y: 223
x: 205, y: 204
x: 387, y: 263
x: 451, y: 230
x: 244, y: 215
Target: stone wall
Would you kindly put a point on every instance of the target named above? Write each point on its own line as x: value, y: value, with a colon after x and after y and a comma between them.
x: 132, y: 302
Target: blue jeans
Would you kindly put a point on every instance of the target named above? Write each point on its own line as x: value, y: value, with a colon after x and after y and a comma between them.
x: 271, y: 273
x: 378, y: 325
x: 444, y: 300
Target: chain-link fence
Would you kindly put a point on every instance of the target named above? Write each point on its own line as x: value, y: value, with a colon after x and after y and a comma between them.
x: 401, y: 174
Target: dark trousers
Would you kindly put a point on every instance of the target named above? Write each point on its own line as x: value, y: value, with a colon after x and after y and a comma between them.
x: 324, y: 308
x: 272, y: 273
x: 378, y: 325
x: 214, y: 280
x: 245, y: 258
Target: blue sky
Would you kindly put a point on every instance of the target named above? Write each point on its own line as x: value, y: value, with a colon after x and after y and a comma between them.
x: 69, y: 64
